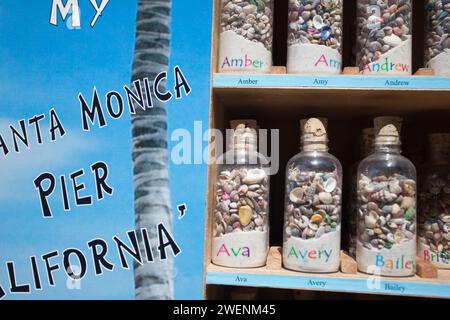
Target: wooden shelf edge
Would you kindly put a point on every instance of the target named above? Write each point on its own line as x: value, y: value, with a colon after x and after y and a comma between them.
x: 336, y: 282
x: 422, y: 81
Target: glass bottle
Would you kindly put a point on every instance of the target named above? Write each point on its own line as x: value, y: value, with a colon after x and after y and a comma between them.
x: 366, y: 147
x: 437, y: 37
x: 434, y: 203
x: 386, y: 214
x: 315, y: 37
x: 384, y: 37
x: 241, y: 214
x: 246, y: 34
x: 313, y: 197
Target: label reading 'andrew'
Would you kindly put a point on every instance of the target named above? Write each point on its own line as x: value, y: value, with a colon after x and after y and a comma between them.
x: 396, y: 83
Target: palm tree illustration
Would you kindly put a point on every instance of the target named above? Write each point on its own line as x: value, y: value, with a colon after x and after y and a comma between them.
x: 150, y: 153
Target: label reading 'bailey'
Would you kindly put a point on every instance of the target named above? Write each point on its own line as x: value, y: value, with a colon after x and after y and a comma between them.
x: 401, y: 263
x: 245, y: 62
x: 313, y: 255
x: 233, y: 252
x: 386, y: 66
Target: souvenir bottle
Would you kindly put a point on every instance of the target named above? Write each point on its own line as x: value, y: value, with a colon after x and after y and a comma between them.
x: 437, y: 37
x: 384, y: 40
x: 313, y: 196
x: 386, y: 214
x: 245, y: 43
x: 434, y: 203
x: 315, y: 37
x: 241, y: 213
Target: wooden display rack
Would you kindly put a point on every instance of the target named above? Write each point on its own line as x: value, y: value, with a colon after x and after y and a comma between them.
x: 350, y: 102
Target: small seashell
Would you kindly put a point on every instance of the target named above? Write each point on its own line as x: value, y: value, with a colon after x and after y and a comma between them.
x: 304, y: 222
x: 398, y: 236
x: 243, y: 189
x: 254, y: 176
x: 372, y: 206
x: 306, y: 211
x: 318, y: 22
x: 384, y: 196
x: 397, y: 212
x: 316, y: 218
x: 296, y: 195
x: 310, y: 191
x: 294, y: 231
x: 329, y: 208
x: 245, y: 215
x: 371, y: 219
x: 325, y: 198
x: 409, y: 187
x: 407, y: 202
x: 394, y: 187
x: 410, y: 214
x: 224, y: 175
x: 313, y: 226
x: 290, y: 208
x: 390, y: 238
x: 392, y: 225
x: 330, y: 185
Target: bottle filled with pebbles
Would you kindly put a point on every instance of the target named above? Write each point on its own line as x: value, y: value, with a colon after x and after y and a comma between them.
x: 434, y: 203
x: 246, y: 30
x: 386, y: 217
x: 437, y: 37
x: 315, y: 36
x: 241, y: 212
x: 384, y: 40
x: 312, y: 224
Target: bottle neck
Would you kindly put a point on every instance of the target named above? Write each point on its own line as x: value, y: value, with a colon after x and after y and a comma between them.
x: 244, y: 141
x: 314, y: 146
x: 388, y: 148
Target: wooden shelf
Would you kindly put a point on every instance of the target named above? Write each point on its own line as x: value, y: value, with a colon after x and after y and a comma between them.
x: 277, y: 101
x: 334, y: 282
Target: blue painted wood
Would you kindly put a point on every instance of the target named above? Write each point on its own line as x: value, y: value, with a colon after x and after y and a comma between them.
x: 364, y: 82
x: 373, y: 286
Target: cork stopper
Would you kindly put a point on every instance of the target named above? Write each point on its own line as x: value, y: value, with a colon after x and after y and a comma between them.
x: 388, y: 130
x: 244, y: 136
x: 314, y: 134
x: 439, y: 144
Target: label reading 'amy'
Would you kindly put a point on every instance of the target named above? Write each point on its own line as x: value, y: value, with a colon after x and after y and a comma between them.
x: 320, y: 82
